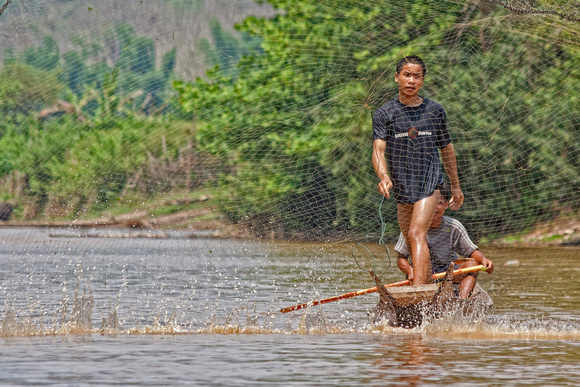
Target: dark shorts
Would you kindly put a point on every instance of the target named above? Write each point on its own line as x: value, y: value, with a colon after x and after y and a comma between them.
x: 407, y: 200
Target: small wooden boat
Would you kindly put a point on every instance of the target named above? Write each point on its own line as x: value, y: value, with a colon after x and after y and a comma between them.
x: 409, y: 306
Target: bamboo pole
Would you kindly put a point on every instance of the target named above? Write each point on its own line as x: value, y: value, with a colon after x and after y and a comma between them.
x: 372, y: 290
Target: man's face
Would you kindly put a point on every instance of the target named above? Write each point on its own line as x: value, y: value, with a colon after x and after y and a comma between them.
x: 410, y: 79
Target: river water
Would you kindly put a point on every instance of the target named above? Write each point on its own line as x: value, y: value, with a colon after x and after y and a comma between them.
x: 97, y: 308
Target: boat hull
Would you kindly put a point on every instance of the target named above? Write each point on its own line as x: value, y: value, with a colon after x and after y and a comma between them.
x: 410, y: 306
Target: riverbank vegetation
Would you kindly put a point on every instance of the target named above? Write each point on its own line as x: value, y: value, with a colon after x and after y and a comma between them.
x: 278, y: 132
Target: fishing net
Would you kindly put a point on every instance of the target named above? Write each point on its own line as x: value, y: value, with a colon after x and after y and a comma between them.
x: 253, y: 120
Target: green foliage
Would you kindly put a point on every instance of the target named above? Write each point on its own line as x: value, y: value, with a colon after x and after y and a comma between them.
x: 82, y: 161
x: 95, y: 74
x: 24, y: 90
x: 87, y: 50
x: 82, y: 71
x: 139, y: 56
x: 285, y: 150
x: 44, y: 57
x: 10, y: 56
x: 505, y: 151
x: 168, y: 63
x: 79, y: 167
x: 74, y: 71
x: 227, y: 50
x: 295, y: 125
x: 286, y: 112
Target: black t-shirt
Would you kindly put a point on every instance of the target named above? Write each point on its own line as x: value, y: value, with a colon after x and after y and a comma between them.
x: 414, y: 136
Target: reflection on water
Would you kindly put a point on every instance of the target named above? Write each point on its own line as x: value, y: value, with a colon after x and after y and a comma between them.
x: 408, y: 362
x: 217, y: 291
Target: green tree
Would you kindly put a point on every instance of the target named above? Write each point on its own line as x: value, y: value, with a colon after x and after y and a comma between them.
x: 10, y: 56
x: 44, y: 57
x: 24, y: 90
x: 87, y: 50
x: 74, y: 71
x: 295, y: 125
x: 168, y: 63
x: 225, y: 49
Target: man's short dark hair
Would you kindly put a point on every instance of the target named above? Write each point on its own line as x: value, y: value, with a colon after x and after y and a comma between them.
x: 414, y: 59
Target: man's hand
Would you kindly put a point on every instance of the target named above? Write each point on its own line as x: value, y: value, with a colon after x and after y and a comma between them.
x: 456, y: 199
x: 410, y: 275
x: 405, y: 267
x: 480, y: 259
x: 488, y: 265
x: 385, y: 185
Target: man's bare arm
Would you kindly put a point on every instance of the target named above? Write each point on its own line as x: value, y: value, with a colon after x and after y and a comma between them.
x: 482, y: 260
x: 405, y: 266
x: 380, y: 166
x: 450, y: 163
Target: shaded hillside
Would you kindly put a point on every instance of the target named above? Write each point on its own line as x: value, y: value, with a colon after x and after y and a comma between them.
x: 171, y: 23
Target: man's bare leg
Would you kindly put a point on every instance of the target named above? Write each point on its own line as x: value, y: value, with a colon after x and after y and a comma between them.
x: 414, y: 221
x: 466, y: 281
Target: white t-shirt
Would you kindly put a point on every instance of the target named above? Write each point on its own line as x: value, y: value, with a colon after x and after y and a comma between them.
x: 444, y: 243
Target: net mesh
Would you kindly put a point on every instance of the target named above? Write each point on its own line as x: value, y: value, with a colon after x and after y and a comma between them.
x: 244, y: 119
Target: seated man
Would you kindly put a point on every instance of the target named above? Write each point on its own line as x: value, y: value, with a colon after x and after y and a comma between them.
x: 446, y: 238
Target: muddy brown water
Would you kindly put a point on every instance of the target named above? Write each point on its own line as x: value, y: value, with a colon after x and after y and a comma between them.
x: 82, y: 310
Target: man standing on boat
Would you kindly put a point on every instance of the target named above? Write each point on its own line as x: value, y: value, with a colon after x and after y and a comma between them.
x: 446, y: 238
x: 411, y: 130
